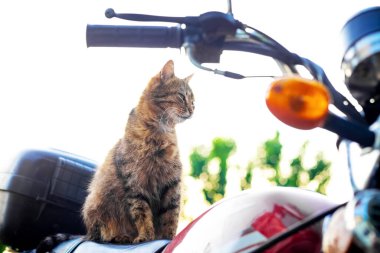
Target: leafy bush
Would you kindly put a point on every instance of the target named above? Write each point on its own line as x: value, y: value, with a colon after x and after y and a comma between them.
x: 268, y: 158
x: 214, y: 184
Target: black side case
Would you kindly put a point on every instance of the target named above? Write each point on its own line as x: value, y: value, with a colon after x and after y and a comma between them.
x: 42, y: 194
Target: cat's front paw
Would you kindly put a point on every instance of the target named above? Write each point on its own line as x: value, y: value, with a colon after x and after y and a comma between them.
x: 140, y: 239
x: 122, y: 239
x: 143, y: 238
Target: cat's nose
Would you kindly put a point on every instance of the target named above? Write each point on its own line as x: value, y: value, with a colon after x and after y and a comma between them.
x: 190, y: 109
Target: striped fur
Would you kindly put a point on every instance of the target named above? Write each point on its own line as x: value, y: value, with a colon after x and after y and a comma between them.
x: 135, y: 195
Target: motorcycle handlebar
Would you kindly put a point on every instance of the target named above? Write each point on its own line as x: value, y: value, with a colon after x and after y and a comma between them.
x: 134, y: 36
x: 174, y: 37
x: 350, y: 130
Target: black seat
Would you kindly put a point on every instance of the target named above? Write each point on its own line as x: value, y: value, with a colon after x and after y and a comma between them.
x: 80, y: 246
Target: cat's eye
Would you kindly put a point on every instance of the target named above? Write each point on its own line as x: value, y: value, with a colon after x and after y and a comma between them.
x: 182, y: 97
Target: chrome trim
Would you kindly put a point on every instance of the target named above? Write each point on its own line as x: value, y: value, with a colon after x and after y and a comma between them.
x: 362, y: 49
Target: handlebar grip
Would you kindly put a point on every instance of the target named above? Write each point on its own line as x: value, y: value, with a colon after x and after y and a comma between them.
x: 133, y: 36
x: 350, y: 130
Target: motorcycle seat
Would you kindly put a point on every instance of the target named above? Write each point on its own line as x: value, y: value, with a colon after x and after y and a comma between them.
x: 79, y: 245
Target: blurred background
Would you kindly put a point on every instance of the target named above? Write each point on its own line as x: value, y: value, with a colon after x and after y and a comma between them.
x: 55, y: 92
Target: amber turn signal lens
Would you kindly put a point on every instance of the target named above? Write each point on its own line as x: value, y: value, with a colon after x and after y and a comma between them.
x: 298, y: 102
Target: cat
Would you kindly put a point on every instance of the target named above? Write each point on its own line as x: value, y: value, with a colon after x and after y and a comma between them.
x: 134, y: 196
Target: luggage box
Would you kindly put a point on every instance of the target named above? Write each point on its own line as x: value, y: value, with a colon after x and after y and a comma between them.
x: 42, y: 194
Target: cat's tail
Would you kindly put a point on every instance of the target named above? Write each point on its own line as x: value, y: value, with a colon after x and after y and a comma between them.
x: 50, y: 242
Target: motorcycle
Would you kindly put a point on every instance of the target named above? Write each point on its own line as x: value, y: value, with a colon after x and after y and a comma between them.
x: 279, y: 219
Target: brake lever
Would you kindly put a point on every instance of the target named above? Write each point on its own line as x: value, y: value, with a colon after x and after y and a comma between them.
x: 214, y: 22
x: 110, y: 13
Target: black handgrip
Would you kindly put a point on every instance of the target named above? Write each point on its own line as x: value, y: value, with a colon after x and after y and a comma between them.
x: 134, y: 36
x: 350, y: 130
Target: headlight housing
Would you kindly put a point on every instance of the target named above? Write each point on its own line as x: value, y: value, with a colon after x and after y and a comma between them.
x: 361, y: 60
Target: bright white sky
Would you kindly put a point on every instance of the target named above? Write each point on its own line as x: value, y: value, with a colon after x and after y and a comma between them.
x: 55, y: 92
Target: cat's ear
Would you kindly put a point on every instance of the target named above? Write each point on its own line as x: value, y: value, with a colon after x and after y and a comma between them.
x: 167, y: 71
x: 187, y: 79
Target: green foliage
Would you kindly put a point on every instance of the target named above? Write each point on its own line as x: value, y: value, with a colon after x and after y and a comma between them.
x: 2, y: 247
x: 269, y: 159
x: 245, y: 182
x: 272, y: 149
x: 300, y: 176
x: 214, y: 184
x: 270, y: 156
x: 198, y: 162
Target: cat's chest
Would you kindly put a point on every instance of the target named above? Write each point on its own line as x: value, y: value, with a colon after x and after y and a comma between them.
x: 157, y: 173
x: 154, y: 162
x: 161, y: 170
x: 161, y: 149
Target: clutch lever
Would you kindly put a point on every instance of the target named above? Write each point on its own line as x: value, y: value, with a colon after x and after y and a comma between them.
x: 110, y: 13
x: 213, y: 22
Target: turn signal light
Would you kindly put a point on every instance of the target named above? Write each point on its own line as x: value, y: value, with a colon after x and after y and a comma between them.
x: 298, y: 102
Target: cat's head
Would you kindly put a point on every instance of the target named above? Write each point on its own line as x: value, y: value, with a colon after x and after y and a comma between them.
x: 169, y: 98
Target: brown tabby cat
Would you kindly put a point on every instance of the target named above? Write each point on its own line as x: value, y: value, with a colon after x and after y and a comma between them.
x: 135, y: 195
